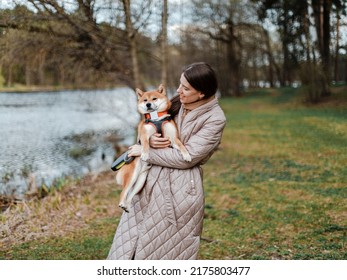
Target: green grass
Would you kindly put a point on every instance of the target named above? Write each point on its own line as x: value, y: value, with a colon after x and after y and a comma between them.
x: 276, y: 188
x: 86, y: 244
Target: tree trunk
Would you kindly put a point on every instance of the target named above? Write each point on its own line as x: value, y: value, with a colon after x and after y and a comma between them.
x: 321, y: 10
x: 131, y: 34
x: 306, y: 26
x: 27, y: 73
x: 234, y: 66
x: 2, y: 79
x: 61, y: 75
x: 326, y: 41
x: 270, y: 57
x: 10, y: 76
x: 255, y: 78
x: 287, y: 75
x: 164, y: 50
x: 41, y: 66
x: 336, y: 65
x: 234, y: 62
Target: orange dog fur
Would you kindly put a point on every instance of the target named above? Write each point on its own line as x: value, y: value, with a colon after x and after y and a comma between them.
x: 132, y: 176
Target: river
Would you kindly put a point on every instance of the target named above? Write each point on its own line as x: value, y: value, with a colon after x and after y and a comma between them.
x: 49, y: 135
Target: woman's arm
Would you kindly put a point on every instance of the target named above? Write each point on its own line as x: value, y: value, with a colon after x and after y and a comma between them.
x: 199, y: 146
x: 155, y: 141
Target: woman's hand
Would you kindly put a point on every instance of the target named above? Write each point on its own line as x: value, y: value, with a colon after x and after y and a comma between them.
x: 157, y: 142
x: 135, y: 150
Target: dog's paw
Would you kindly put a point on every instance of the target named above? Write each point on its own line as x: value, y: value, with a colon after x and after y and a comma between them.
x: 187, y: 157
x: 144, y: 156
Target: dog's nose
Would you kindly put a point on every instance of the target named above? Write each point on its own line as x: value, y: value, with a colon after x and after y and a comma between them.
x: 148, y: 105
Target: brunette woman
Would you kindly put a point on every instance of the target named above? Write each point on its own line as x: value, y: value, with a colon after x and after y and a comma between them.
x: 166, y: 217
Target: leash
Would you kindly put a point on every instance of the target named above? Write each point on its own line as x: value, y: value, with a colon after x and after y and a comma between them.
x: 152, y: 119
x: 120, y: 161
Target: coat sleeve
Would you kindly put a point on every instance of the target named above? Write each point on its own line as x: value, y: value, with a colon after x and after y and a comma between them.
x: 200, y: 146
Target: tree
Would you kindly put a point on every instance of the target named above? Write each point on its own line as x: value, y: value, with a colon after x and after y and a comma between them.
x: 289, y: 18
x: 294, y: 19
x: 96, y: 45
x: 321, y: 12
x: 105, y: 47
x: 131, y: 35
x: 164, y: 47
x: 218, y: 21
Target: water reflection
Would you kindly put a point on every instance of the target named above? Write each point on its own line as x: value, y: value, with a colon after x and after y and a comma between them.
x: 44, y: 136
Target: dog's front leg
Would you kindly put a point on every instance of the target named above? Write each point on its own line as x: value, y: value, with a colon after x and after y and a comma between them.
x: 177, y: 144
x: 170, y: 131
x: 146, y: 132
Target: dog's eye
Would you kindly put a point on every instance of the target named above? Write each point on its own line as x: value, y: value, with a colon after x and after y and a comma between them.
x: 155, y: 98
x: 145, y: 100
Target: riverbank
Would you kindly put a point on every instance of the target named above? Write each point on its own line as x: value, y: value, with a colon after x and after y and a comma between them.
x: 27, y: 89
x: 276, y: 189
x: 32, y: 89
x: 62, y: 214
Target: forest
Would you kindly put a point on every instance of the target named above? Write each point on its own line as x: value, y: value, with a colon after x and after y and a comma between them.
x: 107, y: 43
x: 275, y: 189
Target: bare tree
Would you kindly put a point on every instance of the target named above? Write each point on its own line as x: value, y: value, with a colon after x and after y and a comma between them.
x: 107, y: 47
x: 164, y: 47
x: 217, y: 20
x: 131, y: 35
x: 321, y: 11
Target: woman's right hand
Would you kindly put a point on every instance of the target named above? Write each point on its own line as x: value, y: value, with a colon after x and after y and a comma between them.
x: 158, y: 142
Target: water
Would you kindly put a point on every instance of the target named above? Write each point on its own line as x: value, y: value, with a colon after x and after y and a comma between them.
x: 49, y: 135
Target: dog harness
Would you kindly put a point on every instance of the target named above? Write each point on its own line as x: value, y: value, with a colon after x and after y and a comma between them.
x: 157, y: 124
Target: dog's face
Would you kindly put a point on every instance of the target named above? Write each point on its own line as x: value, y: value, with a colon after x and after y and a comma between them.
x: 150, y: 101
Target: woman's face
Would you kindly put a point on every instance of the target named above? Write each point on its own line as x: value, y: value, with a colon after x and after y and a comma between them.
x: 187, y: 93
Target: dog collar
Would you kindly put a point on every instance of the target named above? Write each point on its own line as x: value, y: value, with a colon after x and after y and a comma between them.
x: 155, y: 115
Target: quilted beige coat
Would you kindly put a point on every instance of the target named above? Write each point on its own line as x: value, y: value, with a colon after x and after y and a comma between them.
x: 166, y: 217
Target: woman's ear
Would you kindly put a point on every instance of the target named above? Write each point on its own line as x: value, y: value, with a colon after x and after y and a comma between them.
x: 201, y: 96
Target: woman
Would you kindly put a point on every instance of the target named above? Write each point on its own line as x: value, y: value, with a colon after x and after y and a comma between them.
x: 166, y: 217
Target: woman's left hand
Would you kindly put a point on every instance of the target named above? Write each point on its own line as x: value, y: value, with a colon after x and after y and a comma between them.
x: 158, y: 142
x: 135, y: 150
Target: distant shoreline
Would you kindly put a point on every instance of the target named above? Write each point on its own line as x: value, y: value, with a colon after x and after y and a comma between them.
x: 33, y: 89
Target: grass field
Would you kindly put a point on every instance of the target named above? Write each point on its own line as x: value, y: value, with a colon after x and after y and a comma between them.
x: 276, y: 189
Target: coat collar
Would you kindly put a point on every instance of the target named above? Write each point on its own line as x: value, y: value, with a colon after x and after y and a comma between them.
x: 198, y: 111
x: 183, y: 120
x: 194, y: 105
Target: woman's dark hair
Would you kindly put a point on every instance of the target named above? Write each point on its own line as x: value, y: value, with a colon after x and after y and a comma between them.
x: 201, y: 77
x: 175, y: 105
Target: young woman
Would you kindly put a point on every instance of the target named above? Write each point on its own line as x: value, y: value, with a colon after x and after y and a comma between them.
x: 166, y: 217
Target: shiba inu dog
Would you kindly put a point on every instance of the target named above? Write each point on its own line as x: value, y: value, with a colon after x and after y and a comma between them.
x: 154, y: 106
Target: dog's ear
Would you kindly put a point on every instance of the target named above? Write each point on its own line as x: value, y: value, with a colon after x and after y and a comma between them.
x: 139, y: 93
x: 161, y: 89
